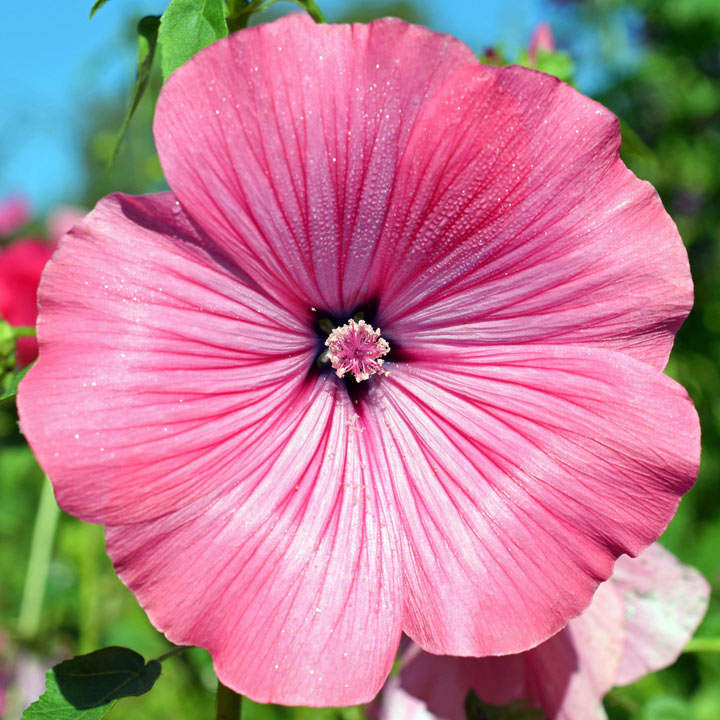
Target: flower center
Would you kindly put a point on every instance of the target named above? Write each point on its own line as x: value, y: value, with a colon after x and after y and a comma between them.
x: 356, y: 348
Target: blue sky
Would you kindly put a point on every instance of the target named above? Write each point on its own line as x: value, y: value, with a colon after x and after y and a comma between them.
x: 53, y: 60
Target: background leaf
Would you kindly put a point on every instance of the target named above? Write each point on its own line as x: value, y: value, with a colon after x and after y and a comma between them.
x: 553, y: 62
x: 147, y: 42
x: 186, y: 27
x: 312, y: 9
x: 9, y: 377
x: 104, y: 675
x: 476, y: 709
x: 96, y: 6
x: 10, y: 384
x: 634, y: 149
x: 87, y: 685
x: 53, y: 706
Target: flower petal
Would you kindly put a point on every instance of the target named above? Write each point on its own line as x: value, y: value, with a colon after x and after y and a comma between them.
x: 159, y: 369
x: 519, y: 475
x: 637, y: 622
x: 282, y: 142
x: 396, y: 704
x: 513, y: 220
x: 597, y: 638
x: 566, y: 675
x: 664, y: 603
x: 290, y: 579
x: 442, y: 682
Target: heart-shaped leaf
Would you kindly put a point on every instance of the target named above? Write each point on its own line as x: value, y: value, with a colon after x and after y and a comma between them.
x: 186, y: 27
x: 87, y: 685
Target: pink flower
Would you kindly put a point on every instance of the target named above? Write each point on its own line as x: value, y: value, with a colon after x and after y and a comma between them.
x: 22, y: 675
x: 542, y: 39
x: 638, y: 622
x: 14, y: 213
x: 21, y: 264
x: 520, y: 436
x: 61, y: 220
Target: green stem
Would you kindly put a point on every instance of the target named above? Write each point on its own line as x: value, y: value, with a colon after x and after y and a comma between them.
x: 24, y: 331
x: 171, y: 652
x: 227, y: 703
x: 41, y: 546
x: 87, y: 561
x: 239, y: 12
x: 617, y: 698
x: 313, y: 10
x: 703, y: 645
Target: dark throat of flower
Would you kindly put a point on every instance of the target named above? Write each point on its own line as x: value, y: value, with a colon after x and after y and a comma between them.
x: 352, y: 348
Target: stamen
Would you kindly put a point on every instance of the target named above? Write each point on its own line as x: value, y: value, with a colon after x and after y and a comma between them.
x: 357, y: 348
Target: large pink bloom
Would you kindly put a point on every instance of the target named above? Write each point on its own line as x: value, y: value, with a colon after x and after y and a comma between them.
x: 638, y: 622
x: 476, y: 488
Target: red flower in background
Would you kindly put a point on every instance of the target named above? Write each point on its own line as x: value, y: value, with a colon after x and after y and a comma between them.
x: 21, y: 265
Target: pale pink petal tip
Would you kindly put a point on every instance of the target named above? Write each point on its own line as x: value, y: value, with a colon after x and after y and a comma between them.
x: 14, y: 213
x: 397, y: 704
x: 664, y: 602
x: 638, y: 622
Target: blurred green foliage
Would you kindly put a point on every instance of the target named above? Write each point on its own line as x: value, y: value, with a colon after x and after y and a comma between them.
x: 670, y: 110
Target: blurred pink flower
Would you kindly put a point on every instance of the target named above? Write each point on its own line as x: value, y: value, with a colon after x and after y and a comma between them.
x: 542, y: 39
x: 22, y: 677
x: 638, y: 622
x: 520, y: 436
x: 61, y: 220
x: 21, y: 264
x: 14, y: 213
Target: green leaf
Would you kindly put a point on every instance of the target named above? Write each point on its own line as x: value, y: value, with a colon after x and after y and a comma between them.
x: 239, y: 11
x: 147, y: 42
x: 476, y: 709
x: 492, y: 56
x: 666, y: 707
x: 104, y: 675
x: 7, y: 341
x: 553, y: 62
x: 96, y: 6
x: 87, y: 685
x: 51, y: 705
x: 557, y: 63
x: 633, y: 148
x: 186, y: 27
x: 312, y: 9
x: 9, y: 377
x: 10, y: 383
